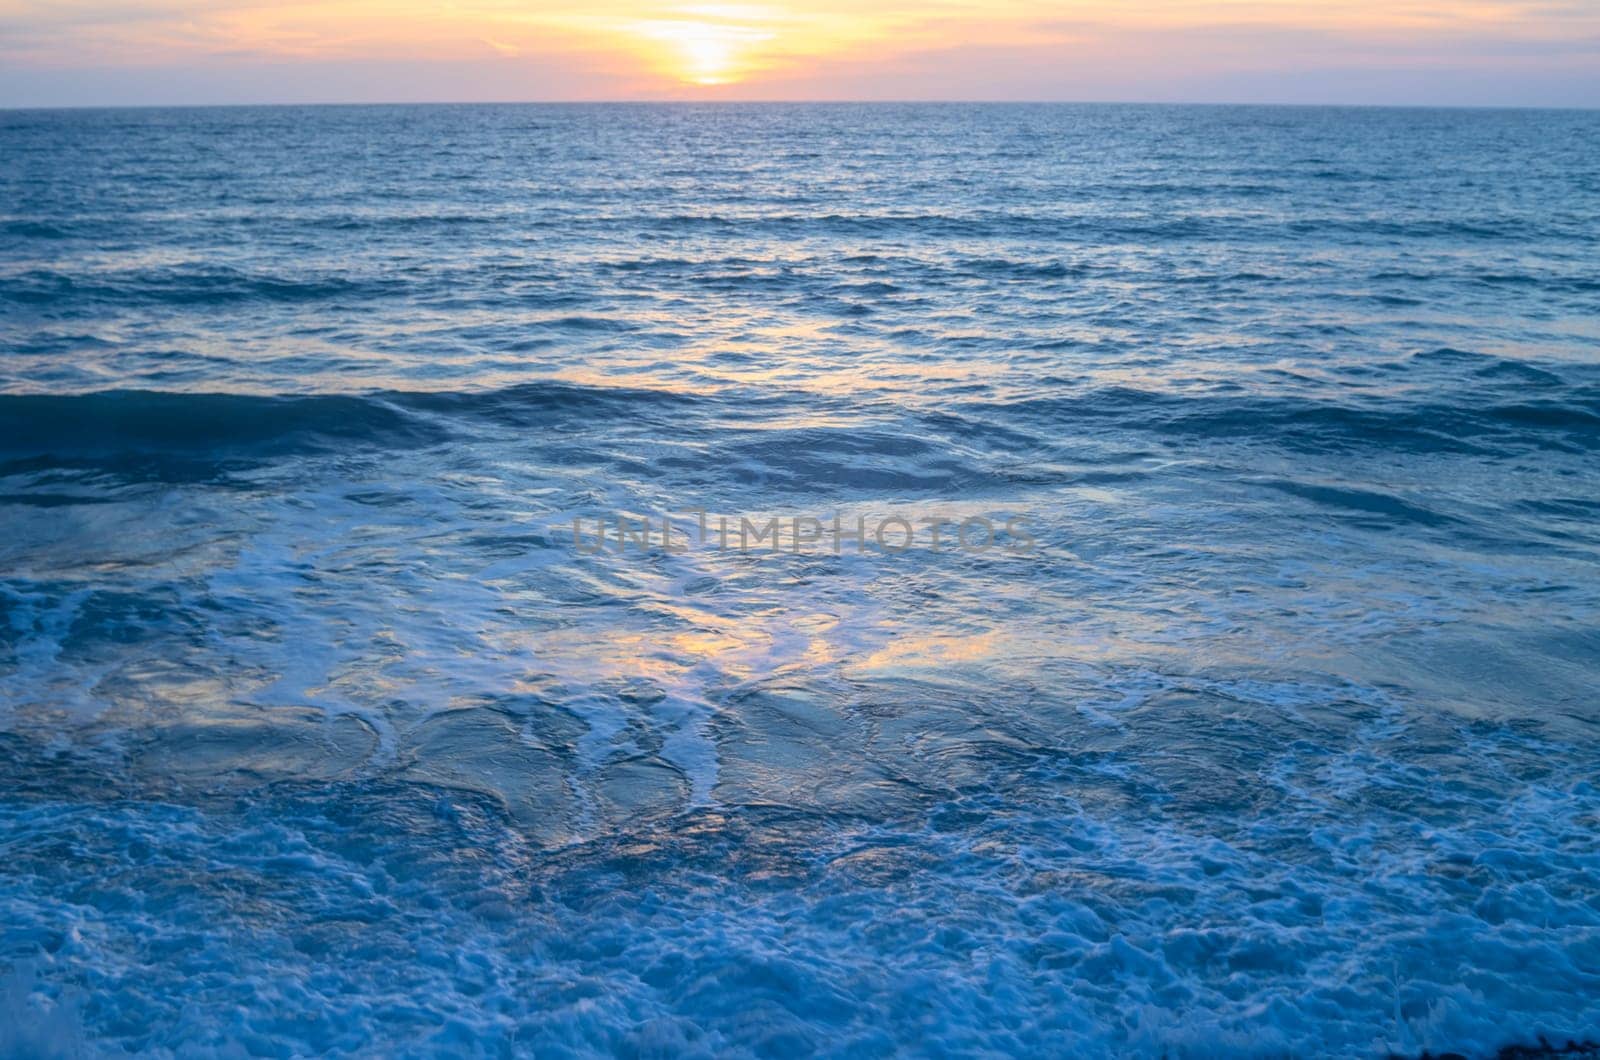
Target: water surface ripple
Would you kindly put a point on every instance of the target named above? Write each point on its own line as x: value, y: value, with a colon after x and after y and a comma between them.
x: 319, y: 734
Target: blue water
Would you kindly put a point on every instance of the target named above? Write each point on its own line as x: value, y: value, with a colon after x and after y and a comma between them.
x: 320, y: 732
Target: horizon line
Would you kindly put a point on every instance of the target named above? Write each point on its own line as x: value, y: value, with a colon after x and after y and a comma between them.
x: 805, y: 103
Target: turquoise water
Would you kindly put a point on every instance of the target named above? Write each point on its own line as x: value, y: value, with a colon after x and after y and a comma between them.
x: 1274, y: 735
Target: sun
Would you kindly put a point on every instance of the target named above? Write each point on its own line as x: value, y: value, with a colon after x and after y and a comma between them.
x: 700, y: 52
x: 706, y: 57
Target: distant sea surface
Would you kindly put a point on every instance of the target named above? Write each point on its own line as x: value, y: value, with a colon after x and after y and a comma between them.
x: 319, y: 731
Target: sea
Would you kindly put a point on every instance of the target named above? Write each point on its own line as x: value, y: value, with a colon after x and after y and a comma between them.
x: 774, y: 580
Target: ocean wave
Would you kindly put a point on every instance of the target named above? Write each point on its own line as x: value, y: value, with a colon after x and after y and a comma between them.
x: 231, y: 424
x: 319, y: 735
x: 23, y: 228
x: 178, y: 286
x: 1307, y: 424
x: 1050, y: 905
x: 1476, y: 423
x: 37, y: 424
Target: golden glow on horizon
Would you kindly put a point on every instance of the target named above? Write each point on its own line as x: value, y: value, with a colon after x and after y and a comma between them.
x: 711, y: 45
x: 701, y: 52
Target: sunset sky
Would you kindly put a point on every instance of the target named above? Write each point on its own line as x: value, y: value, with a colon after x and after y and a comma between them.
x: 65, y: 52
